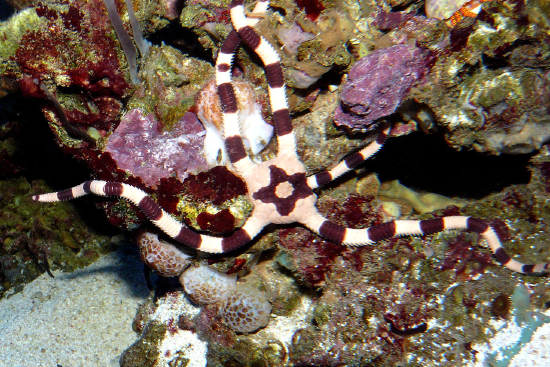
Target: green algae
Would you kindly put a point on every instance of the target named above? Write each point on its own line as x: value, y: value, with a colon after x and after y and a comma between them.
x: 194, y: 14
x: 62, y: 134
x: 144, y: 351
x: 240, y: 207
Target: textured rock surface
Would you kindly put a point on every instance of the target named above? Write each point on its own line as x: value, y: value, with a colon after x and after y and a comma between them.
x: 401, y: 301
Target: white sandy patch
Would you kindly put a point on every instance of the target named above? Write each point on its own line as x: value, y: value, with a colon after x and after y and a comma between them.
x: 82, y: 318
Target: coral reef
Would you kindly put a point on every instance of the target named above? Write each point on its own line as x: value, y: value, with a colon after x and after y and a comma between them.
x: 205, y: 206
x: 527, y: 321
x: 482, y: 84
x: 245, y: 309
x: 164, y: 258
x: 242, y: 306
x: 35, y: 240
x: 205, y: 285
x: 488, y: 95
x: 65, y: 37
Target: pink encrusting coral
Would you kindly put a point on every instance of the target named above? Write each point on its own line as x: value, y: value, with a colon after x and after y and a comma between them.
x: 140, y: 147
x: 378, y: 83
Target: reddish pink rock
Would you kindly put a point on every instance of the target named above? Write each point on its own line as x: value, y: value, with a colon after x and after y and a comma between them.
x: 139, y: 147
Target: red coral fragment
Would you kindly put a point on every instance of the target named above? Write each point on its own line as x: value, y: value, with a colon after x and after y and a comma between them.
x: 209, y: 326
x: 544, y: 169
x: 216, y: 185
x: 221, y: 222
x: 308, y: 255
x: 73, y: 19
x: 168, y: 192
x: 238, y: 265
x: 43, y: 11
x: 463, y: 253
x: 312, y: 8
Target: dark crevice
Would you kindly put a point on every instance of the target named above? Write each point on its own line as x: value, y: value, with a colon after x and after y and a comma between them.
x: 183, y: 39
x: 6, y: 10
x: 494, y: 63
x: 41, y: 159
x: 424, y: 162
x: 38, y: 153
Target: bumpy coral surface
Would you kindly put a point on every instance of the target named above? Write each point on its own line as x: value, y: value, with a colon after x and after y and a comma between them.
x: 245, y: 309
x: 164, y: 258
x: 205, y: 285
x: 490, y: 81
x: 70, y: 48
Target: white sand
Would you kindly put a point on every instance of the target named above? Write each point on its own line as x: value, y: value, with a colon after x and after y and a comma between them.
x: 75, y: 319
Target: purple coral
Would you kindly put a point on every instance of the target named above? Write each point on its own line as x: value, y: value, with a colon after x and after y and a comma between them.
x: 138, y: 147
x: 378, y: 83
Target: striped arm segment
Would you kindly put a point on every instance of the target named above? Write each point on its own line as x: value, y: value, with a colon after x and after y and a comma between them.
x: 230, y: 112
x: 159, y: 217
x: 349, y: 163
x: 358, y: 237
x: 274, y: 75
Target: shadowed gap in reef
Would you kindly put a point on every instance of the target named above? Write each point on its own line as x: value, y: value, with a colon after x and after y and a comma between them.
x: 42, y: 159
x: 424, y: 162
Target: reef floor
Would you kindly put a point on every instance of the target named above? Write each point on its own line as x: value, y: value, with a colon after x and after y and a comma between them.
x: 82, y: 318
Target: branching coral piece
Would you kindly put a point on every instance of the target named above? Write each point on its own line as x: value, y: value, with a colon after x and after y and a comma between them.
x: 278, y: 188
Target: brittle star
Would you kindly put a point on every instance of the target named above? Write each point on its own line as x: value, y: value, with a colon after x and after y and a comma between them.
x: 278, y: 188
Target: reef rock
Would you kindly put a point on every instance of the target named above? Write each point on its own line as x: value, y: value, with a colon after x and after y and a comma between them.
x: 378, y: 83
x: 138, y: 147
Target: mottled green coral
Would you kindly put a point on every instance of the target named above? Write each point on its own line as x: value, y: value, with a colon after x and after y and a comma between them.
x: 144, y: 352
x: 11, y: 33
x: 170, y: 82
x: 421, y: 202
